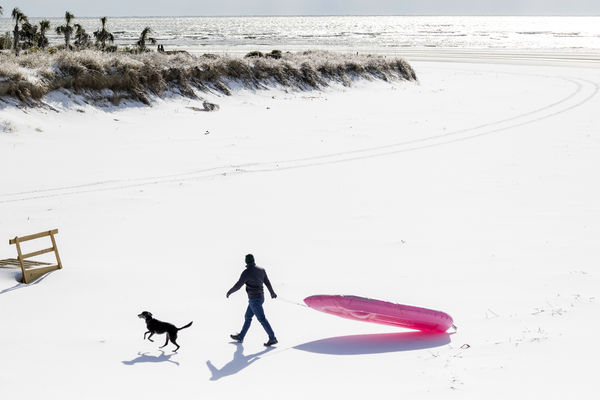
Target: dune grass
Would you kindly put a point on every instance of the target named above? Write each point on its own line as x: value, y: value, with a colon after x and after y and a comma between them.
x: 139, y: 76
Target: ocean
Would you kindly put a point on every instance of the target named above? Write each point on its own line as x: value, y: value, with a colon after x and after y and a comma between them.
x: 375, y: 34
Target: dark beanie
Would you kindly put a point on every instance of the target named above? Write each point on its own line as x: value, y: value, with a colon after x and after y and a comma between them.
x: 249, y: 259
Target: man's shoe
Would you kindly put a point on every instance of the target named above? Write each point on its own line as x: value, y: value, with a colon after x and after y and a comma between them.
x: 271, y: 342
x: 237, y: 338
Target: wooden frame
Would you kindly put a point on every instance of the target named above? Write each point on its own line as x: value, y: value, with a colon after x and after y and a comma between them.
x: 30, y: 275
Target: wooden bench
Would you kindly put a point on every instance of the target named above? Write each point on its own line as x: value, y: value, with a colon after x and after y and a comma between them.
x: 31, y: 274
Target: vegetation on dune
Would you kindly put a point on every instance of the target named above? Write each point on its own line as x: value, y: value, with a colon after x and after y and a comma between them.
x: 19, y: 18
x: 273, y: 54
x: 24, y: 34
x: 114, y: 76
x: 82, y: 39
x: 3, y: 39
x: 42, y: 39
x: 6, y: 41
x: 141, y: 43
x: 29, y: 34
x: 103, y: 35
x: 67, y: 29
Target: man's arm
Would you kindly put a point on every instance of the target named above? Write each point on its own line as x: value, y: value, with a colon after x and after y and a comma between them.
x: 238, y: 284
x: 268, y: 285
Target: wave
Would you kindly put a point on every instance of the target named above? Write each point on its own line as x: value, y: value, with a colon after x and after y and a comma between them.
x: 535, y: 33
x: 116, y: 76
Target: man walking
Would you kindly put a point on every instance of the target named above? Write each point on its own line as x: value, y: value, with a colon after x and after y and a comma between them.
x: 254, y: 277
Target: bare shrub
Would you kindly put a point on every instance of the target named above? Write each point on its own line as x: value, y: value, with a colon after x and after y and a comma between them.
x: 274, y: 54
x: 254, y: 54
x: 210, y: 106
x: 7, y: 127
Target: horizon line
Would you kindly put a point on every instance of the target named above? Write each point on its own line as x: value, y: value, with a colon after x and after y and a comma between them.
x: 316, y: 15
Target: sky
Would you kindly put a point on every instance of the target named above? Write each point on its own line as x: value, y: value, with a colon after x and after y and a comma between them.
x: 55, y: 8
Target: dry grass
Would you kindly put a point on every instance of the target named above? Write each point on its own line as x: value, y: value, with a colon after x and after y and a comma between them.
x: 29, y: 77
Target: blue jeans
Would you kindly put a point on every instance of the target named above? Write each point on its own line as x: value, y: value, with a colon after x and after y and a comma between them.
x: 255, y: 308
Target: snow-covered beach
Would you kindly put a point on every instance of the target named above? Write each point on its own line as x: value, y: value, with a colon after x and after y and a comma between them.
x: 472, y: 191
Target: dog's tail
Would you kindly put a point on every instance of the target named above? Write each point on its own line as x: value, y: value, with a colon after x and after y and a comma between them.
x: 186, y: 326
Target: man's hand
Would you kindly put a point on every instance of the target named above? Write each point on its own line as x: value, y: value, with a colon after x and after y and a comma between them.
x: 273, y: 295
x: 227, y: 295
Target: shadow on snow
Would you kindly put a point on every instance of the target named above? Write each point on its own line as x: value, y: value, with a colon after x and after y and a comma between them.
x: 341, y: 345
x: 145, y: 358
x: 376, y: 343
x: 18, y: 276
x: 239, y: 362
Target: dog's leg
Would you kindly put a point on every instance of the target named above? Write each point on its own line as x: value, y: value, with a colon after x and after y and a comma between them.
x: 146, y: 334
x: 175, y: 343
x: 151, y: 334
x: 166, y: 342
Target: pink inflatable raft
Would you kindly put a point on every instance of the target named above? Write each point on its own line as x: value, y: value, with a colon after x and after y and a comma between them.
x: 381, y: 312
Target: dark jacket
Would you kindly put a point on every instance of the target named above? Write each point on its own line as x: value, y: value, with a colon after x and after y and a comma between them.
x: 253, y: 277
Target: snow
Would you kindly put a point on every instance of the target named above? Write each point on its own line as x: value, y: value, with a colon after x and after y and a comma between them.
x: 472, y: 192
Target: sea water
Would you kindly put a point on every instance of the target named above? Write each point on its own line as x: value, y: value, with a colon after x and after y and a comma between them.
x: 376, y: 34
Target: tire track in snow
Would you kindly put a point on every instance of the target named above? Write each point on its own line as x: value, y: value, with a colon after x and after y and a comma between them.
x: 584, y: 90
x: 440, y: 140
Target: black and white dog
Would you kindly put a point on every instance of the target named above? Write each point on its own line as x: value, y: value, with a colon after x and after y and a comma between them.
x: 156, y: 326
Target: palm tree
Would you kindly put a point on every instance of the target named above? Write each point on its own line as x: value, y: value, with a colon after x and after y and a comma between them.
x: 19, y: 18
x: 5, y: 41
x: 67, y: 29
x: 29, y: 34
x: 102, y: 35
x: 42, y: 39
x: 82, y: 39
x: 141, y: 43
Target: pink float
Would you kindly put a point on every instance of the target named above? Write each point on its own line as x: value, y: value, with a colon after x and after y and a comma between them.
x: 381, y: 312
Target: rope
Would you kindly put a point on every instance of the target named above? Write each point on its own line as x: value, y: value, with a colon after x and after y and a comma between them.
x: 291, y: 301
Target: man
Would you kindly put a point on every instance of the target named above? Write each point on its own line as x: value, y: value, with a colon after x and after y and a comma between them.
x: 254, y: 277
